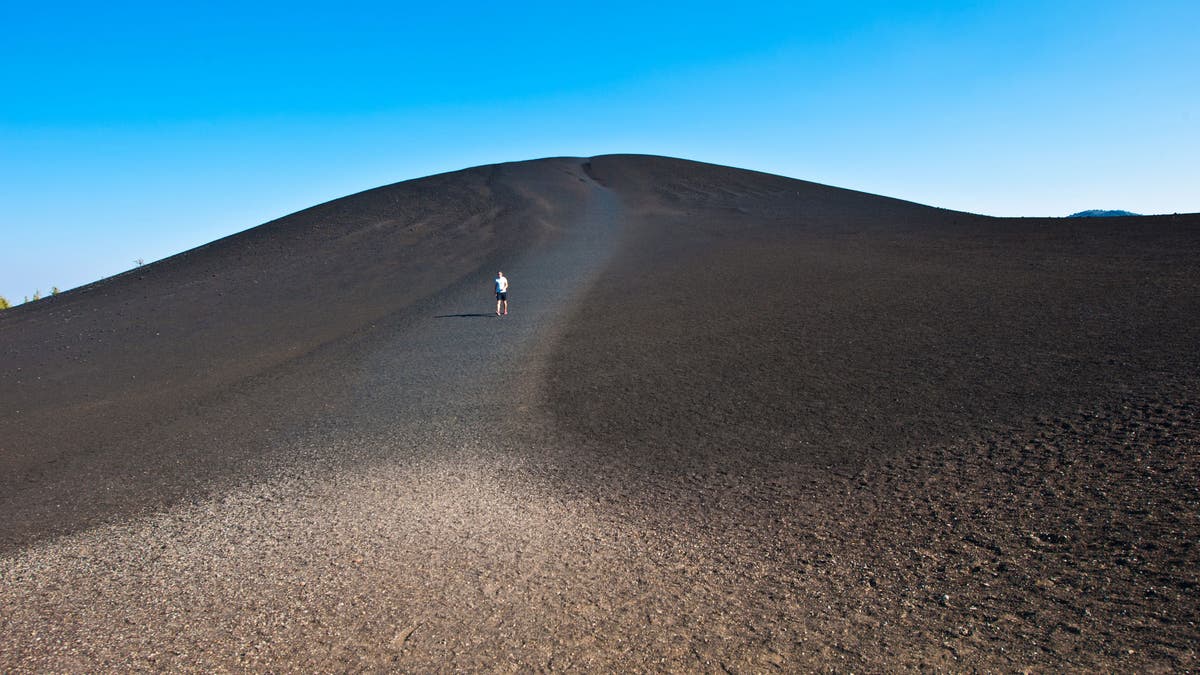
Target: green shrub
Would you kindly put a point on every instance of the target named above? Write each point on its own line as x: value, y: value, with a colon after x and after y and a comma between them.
x: 4, y: 302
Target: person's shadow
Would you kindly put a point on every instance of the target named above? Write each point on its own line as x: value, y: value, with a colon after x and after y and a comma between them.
x: 460, y: 316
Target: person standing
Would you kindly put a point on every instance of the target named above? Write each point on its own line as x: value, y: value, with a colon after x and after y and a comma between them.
x: 501, y: 293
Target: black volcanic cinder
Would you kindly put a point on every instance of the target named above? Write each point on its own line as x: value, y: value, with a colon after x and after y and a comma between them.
x: 737, y: 422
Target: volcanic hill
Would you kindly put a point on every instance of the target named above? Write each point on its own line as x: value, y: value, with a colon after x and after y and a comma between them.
x: 733, y: 421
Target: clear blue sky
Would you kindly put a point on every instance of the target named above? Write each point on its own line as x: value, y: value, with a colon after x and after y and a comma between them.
x: 140, y: 129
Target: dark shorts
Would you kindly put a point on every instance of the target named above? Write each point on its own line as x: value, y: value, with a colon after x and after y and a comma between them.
x: 502, y: 296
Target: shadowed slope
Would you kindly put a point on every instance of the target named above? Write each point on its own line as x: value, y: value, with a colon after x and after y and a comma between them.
x: 894, y: 436
x: 757, y: 315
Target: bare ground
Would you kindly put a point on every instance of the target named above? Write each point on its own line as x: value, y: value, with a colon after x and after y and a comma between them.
x: 734, y: 423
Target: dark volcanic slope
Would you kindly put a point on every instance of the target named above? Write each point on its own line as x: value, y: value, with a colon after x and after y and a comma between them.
x: 142, y: 388
x: 795, y: 321
x: 965, y: 441
x: 735, y: 422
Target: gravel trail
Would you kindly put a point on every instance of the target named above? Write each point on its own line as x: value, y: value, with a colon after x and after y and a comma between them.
x: 412, y: 522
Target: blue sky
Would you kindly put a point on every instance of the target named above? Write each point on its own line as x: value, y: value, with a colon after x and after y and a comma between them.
x: 137, y: 130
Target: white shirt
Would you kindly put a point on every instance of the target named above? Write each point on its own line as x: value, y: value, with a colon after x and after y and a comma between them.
x: 501, y: 284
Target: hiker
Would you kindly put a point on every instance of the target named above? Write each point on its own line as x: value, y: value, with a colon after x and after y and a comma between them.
x: 501, y: 293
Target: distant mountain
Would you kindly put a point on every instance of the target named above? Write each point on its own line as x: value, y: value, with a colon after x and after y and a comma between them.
x: 1099, y: 213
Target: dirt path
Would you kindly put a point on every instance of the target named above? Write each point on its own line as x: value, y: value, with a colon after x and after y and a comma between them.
x: 404, y: 527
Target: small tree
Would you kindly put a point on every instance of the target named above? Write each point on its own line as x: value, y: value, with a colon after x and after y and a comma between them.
x: 37, y: 295
x: 54, y: 290
x: 4, y: 302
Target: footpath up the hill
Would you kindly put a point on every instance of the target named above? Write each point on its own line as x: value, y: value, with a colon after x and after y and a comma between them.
x: 365, y: 525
